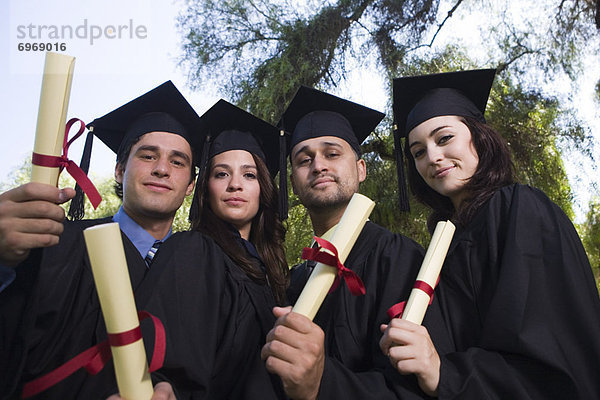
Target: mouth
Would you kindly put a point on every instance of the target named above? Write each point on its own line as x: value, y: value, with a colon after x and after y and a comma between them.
x: 442, y: 172
x: 157, y: 187
x: 322, y: 181
x: 235, y: 201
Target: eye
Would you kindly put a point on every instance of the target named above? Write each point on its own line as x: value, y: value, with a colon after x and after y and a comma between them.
x: 304, y: 161
x: 147, y: 156
x: 333, y: 154
x: 444, y: 139
x: 220, y: 174
x: 250, y: 175
x: 418, y: 153
x: 178, y: 163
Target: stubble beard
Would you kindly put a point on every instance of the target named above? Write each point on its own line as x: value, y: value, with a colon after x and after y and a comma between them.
x: 322, y: 200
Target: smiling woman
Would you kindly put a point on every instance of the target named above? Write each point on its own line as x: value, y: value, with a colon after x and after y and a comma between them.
x: 516, y: 291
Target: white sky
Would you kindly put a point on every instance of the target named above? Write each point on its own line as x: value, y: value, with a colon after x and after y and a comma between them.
x: 111, y: 72
x: 108, y: 73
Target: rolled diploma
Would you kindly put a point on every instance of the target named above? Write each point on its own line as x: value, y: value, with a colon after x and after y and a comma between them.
x: 52, y: 114
x: 418, y: 301
x: 109, y: 266
x: 343, y: 238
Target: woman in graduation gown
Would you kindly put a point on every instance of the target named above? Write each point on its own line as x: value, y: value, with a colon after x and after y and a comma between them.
x: 207, y: 304
x: 516, y: 290
x: 236, y: 204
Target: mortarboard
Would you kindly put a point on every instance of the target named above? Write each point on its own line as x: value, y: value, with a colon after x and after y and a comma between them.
x: 313, y: 113
x: 162, y: 109
x: 419, y: 98
x: 231, y: 128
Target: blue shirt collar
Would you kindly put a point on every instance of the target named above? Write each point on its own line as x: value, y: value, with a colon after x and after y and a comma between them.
x: 140, y: 238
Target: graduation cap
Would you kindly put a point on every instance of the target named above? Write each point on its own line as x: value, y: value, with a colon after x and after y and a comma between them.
x: 231, y: 128
x: 419, y: 98
x: 313, y: 113
x: 163, y: 109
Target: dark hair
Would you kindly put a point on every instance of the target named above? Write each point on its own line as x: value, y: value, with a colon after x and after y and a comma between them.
x: 123, y: 156
x: 494, y: 170
x: 267, y: 233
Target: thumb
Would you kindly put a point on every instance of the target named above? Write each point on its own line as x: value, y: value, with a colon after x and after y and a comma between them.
x: 281, y: 311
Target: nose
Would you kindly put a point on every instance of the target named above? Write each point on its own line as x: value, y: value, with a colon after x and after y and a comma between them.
x: 434, y: 155
x: 234, y: 183
x: 319, y: 165
x: 162, y: 168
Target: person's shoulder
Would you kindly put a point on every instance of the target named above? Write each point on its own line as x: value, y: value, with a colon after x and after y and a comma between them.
x: 75, y: 228
x: 524, y: 197
x: 385, y: 236
x: 377, y: 239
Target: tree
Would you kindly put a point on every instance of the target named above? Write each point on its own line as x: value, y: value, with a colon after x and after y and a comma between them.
x: 264, y: 50
x: 591, y: 237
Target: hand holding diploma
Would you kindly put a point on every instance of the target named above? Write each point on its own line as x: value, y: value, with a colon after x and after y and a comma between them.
x: 322, y: 278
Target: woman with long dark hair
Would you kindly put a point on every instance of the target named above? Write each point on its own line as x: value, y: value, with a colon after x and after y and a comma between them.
x: 236, y: 200
x: 516, y: 290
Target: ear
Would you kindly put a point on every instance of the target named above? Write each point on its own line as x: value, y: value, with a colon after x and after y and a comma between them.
x: 190, y: 188
x: 293, y: 184
x: 361, y: 168
x: 119, y: 170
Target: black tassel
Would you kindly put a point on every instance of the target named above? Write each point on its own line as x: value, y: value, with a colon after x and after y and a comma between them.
x: 77, y: 207
x: 195, y: 206
x: 402, y: 189
x: 283, y: 194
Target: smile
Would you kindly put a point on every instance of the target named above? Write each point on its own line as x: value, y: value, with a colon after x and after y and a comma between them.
x: 442, y: 172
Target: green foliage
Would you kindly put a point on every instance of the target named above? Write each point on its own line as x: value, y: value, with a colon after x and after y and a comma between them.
x: 590, y: 231
x: 260, y: 51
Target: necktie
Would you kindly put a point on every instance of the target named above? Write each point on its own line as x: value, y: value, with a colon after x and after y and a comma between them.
x: 152, y: 253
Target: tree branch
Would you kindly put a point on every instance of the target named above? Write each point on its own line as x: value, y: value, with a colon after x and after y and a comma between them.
x: 440, y: 26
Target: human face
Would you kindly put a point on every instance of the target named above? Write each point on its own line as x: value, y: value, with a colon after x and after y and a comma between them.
x: 325, y: 172
x: 156, y: 177
x: 444, y: 155
x: 233, y: 189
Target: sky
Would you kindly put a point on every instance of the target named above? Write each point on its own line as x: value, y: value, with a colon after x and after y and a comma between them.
x: 115, y: 66
x: 109, y: 70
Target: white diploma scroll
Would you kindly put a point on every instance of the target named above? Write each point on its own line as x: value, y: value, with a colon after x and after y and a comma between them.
x: 418, y: 300
x: 343, y: 238
x: 109, y: 266
x: 52, y: 114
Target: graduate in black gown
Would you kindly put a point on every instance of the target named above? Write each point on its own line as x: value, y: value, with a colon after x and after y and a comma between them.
x: 236, y: 202
x: 50, y: 312
x: 337, y: 355
x: 516, y: 290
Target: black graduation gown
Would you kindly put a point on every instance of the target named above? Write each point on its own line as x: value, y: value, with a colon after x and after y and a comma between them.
x: 355, y: 367
x: 51, y: 313
x: 521, y: 305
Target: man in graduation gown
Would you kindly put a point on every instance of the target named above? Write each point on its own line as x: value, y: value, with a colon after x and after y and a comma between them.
x: 50, y: 312
x: 337, y: 355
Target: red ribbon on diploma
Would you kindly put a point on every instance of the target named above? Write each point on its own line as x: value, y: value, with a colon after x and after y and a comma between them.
x: 73, y: 169
x: 353, y: 281
x: 94, y: 358
x: 396, y: 310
